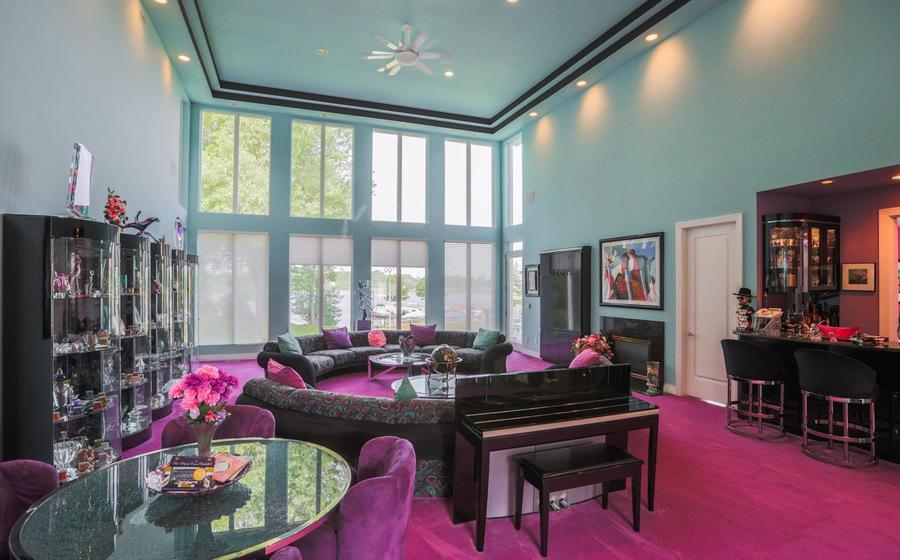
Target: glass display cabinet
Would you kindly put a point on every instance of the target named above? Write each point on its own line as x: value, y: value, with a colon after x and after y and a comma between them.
x: 61, y: 331
x: 134, y: 282
x: 179, y: 274
x: 160, y: 365
x: 802, y: 253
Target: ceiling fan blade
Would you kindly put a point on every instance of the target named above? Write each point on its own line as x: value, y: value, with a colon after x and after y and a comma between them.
x: 420, y: 40
x: 382, y: 52
x: 435, y: 56
x: 424, y: 67
x: 378, y: 56
x: 386, y: 42
x: 394, y: 70
x: 388, y: 66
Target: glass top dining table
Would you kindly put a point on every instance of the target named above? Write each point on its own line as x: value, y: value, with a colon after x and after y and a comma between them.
x: 111, y: 513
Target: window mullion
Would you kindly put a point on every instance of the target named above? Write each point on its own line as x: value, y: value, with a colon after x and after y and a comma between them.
x: 468, y: 286
x: 399, y: 322
x: 399, y: 178
x: 321, y: 294
x: 322, y: 171
x: 468, y: 184
x: 236, y: 159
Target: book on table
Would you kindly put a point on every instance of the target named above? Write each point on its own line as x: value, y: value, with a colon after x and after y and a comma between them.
x: 189, y: 473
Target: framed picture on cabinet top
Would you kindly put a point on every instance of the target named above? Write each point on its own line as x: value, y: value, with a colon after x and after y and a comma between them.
x: 631, y: 271
x: 858, y: 277
x: 532, y: 280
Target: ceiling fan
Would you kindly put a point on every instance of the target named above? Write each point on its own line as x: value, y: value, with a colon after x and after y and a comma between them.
x: 405, y: 52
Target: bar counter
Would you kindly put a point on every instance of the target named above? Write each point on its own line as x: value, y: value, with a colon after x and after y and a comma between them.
x: 884, y: 359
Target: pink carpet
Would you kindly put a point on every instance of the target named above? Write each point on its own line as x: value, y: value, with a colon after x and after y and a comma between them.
x: 718, y: 495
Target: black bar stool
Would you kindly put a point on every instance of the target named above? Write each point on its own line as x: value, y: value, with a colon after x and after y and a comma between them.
x: 844, y: 380
x: 753, y: 366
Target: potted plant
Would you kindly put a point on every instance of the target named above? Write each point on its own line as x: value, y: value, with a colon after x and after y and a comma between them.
x: 203, y: 395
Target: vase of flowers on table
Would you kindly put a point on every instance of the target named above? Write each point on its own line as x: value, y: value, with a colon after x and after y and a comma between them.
x: 203, y: 395
x: 596, y: 342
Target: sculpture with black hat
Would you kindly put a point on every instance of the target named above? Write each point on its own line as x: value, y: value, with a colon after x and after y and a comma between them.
x: 744, y: 310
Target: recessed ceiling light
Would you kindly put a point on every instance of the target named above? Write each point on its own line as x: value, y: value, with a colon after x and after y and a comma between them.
x: 321, y: 51
x: 827, y: 181
x: 184, y: 58
x: 651, y: 37
x: 449, y: 74
x: 533, y: 114
x: 162, y: 1
x: 512, y: 1
x: 581, y: 83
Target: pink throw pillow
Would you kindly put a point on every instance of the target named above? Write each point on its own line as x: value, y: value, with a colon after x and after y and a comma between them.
x: 377, y: 338
x: 284, y: 375
x: 424, y: 334
x: 586, y: 358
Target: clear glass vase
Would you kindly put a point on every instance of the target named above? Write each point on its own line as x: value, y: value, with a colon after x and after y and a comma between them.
x: 204, y: 432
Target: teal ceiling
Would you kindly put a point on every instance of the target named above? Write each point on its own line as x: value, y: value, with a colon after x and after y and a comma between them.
x: 508, y: 59
x: 499, y: 49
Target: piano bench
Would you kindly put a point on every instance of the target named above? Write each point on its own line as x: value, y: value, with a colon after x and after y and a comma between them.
x: 570, y: 467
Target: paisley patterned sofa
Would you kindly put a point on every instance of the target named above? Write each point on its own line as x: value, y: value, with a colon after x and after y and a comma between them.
x: 345, y: 422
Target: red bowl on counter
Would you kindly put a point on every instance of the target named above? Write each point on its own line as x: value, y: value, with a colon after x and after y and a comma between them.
x: 839, y: 332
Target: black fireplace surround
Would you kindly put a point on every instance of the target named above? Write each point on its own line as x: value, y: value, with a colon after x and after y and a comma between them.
x: 635, y: 341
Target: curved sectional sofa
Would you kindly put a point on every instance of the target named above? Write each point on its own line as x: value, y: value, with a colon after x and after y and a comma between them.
x: 318, y: 362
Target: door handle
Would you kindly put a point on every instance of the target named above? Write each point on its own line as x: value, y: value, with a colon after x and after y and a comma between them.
x: 690, y: 333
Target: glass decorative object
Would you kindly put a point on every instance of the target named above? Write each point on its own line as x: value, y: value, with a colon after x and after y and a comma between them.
x: 407, y: 345
x: 204, y: 433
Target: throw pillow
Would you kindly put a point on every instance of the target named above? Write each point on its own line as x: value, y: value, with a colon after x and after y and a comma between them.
x: 424, y: 334
x: 285, y: 375
x: 288, y: 344
x: 337, y: 338
x: 377, y: 338
x: 485, y: 339
x: 585, y: 358
x: 405, y: 391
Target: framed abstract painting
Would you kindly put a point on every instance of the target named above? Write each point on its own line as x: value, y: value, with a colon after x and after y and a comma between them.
x: 631, y: 271
x: 858, y: 277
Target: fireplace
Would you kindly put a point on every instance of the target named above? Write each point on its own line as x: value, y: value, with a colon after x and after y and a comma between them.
x: 635, y: 341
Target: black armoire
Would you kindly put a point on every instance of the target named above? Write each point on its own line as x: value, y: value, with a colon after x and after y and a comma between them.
x: 565, y: 301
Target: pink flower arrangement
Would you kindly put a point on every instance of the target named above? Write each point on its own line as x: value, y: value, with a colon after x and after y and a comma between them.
x: 204, y: 394
x: 596, y: 342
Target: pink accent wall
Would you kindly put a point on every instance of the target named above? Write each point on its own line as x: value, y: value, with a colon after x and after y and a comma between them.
x: 859, y: 239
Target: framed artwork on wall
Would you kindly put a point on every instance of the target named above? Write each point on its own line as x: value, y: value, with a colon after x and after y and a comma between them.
x: 532, y: 280
x: 631, y: 271
x: 858, y: 277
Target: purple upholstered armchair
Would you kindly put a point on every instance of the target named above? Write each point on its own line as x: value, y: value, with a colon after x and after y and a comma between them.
x: 373, y: 517
x: 21, y: 484
x: 243, y: 421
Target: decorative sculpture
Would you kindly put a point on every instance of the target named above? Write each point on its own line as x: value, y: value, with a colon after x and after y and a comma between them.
x: 364, y: 300
x: 744, y: 310
x: 142, y: 225
x: 407, y: 345
x: 179, y: 234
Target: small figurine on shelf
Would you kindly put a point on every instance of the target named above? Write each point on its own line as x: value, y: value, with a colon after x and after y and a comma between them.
x: 114, y: 211
x: 60, y: 285
x: 89, y: 287
x: 142, y: 225
x: 75, y: 274
x: 179, y: 234
x: 744, y: 310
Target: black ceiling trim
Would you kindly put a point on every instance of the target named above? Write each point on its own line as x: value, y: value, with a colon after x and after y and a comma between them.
x: 362, y: 108
x: 636, y: 14
x: 642, y: 28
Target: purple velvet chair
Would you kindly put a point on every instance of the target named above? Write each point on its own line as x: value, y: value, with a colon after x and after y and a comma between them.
x: 21, y: 484
x: 243, y: 421
x: 373, y: 517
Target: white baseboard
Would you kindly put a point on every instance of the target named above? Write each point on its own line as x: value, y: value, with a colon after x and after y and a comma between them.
x: 528, y: 351
x: 226, y: 357
x: 670, y: 389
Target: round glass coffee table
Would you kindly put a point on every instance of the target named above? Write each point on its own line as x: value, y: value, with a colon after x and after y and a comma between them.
x: 393, y: 360
x: 430, y: 387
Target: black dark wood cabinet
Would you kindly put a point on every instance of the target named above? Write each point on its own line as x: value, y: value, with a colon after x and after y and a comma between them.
x: 565, y: 301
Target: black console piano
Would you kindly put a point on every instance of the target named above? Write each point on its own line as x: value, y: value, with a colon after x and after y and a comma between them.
x: 506, y: 411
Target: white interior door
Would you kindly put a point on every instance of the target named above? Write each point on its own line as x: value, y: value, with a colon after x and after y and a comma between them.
x: 712, y: 273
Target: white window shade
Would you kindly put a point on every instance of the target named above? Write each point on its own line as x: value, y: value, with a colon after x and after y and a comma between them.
x: 395, y: 252
x: 481, y: 285
x: 456, y: 286
x: 468, y: 286
x: 321, y: 250
x: 234, y: 287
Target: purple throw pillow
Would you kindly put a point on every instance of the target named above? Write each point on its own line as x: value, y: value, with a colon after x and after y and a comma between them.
x: 424, y: 334
x: 336, y: 338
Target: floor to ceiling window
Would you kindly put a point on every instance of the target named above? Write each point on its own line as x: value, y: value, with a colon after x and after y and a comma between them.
x: 234, y: 163
x: 399, y: 282
x: 468, y: 286
x: 233, y: 294
x: 321, y: 170
x: 468, y: 180
x: 320, y: 283
x: 399, y: 184
x: 514, y: 292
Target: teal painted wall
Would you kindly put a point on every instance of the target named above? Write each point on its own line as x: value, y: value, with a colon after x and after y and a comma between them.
x: 280, y: 225
x: 95, y: 73
x: 755, y: 94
